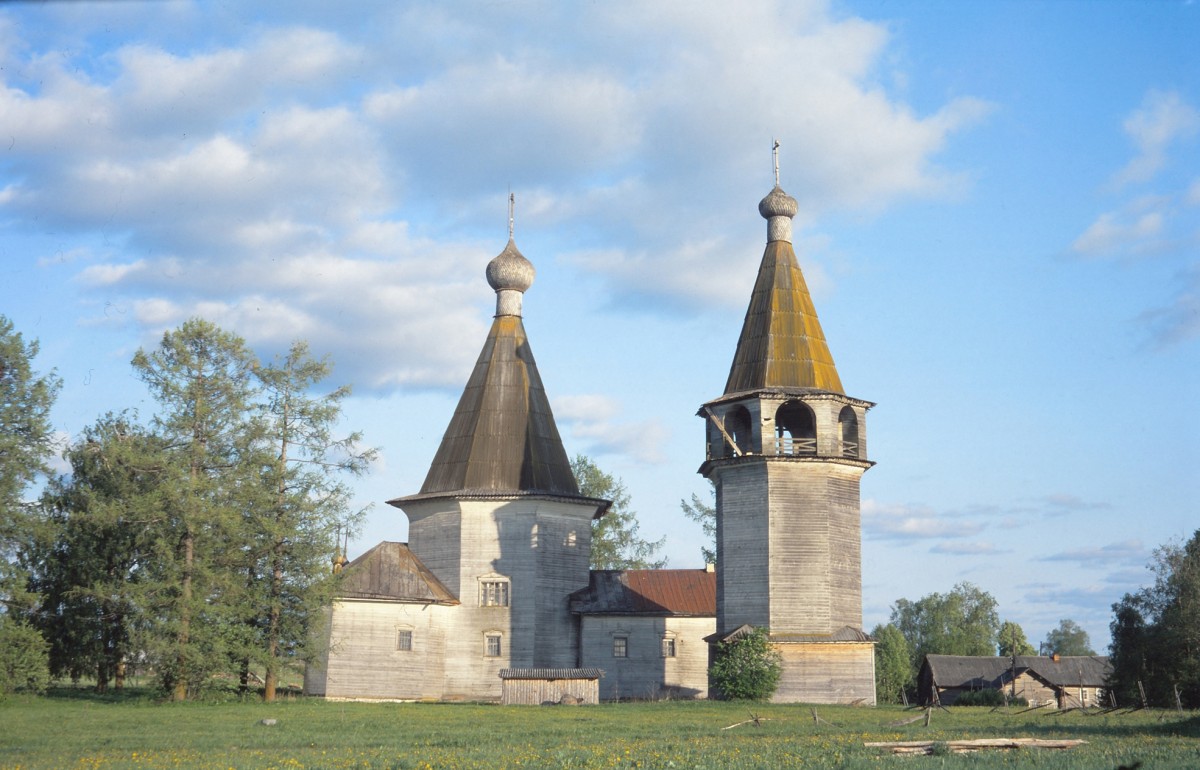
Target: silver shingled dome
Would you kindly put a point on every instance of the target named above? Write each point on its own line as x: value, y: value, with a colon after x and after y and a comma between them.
x: 778, y: 204
x: 510, y: 270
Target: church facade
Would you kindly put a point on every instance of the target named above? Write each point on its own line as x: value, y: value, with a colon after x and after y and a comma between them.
x: 494, y: 583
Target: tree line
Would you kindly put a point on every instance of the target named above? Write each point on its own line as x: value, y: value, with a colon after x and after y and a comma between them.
x: 193, y: 544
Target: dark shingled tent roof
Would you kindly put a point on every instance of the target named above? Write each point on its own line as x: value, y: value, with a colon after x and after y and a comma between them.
x: 680, y: 592
x: 502, y: 437
x: 391, y: 572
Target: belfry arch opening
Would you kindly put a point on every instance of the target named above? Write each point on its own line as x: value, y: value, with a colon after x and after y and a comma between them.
x: 795, y: 429
x: 848, y: 431
x: 737, y: 425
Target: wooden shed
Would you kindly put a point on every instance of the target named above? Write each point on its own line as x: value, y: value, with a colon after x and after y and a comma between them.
x: 1066, y: 681
x: 544, y: 686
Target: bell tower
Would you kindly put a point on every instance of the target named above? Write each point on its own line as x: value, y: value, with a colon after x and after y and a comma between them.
x: 786, y: 449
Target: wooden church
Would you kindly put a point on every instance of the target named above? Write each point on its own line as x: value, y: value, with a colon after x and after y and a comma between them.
x: 492, y: 596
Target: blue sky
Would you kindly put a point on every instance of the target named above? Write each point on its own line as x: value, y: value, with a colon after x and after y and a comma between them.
x: 1000, y: 218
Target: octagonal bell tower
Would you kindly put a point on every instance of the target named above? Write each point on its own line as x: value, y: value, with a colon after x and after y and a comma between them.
x: 786, y: 449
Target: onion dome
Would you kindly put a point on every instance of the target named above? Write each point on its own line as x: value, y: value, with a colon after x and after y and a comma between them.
x: 510, y: 274
x: 778, y: 208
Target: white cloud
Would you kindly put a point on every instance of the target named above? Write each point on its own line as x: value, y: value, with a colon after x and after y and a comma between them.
x: 1178, y: 320
x: 1111, y: 233
x: 270, y: 181
x: 905, y: 522
x: 966, y: 549
x: 1162, y: 119
x: 592, y: 420
x: 1125, y: 552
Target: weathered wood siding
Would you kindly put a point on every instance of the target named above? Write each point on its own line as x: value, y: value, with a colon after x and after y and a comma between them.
x: 541, y: 547
x: 842, y: 672
x: 743, y: 544
x: 362, y: 659
x: 533, y: 692
x: 644, y: 672
x: 815, y: 547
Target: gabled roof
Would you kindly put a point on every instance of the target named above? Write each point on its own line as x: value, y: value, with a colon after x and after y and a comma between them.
x: 677, y: 592
x: 843, y: 634
x: 391, y: 572
x: 978, y: 671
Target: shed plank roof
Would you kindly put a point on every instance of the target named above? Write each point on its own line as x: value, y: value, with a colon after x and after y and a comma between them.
x: 391, y: 572
x: 685, y: 592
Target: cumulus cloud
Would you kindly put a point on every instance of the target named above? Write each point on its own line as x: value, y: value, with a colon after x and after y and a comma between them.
x: 267, y: 182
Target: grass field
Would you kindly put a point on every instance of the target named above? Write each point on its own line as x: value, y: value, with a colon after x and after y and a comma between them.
x: 78, y: 731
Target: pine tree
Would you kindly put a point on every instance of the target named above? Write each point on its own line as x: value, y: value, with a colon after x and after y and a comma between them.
x: 26, y: 441
x: 616, y: 542
x: 93, y: 548
x: 296, y: 528
x: 705, y: 515
x: 202, y: 378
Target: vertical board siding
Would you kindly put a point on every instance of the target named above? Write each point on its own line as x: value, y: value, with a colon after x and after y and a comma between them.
x: 827, y: 673
x: 534, y: 692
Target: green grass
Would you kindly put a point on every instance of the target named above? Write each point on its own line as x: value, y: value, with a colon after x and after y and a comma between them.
x: 75, y: 730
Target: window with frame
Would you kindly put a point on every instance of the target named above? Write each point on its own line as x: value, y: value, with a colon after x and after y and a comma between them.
x: 493, y: 593
x: 492, y: 645
x: 404, y: 640
x: 668, y: 647
x: 620, y: 646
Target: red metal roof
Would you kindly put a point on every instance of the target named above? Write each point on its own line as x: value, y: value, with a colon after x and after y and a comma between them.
x: 691, y: 592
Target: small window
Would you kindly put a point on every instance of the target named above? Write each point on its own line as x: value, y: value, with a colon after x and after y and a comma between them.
x: 404, y: 640
x: 492, y: 646
x: 620, y: 647
x: 668, y: 647
x: 493, y: 593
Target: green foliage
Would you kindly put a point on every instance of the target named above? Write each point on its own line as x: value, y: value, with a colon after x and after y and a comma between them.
x: 90, y: 556
x: 1156, y: 631
x: 893, y: 666
x: 24, y: 663
x: 746, y: 668
x: 293, y: 530
x: 961, y: 622
x: 987, y: 697
x: 202, y: 378
x: 1012, y: 640
x: 705, y: 515
x: 26, y: 441
x: 1067, y: 639
x: 616, y: 542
